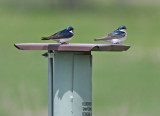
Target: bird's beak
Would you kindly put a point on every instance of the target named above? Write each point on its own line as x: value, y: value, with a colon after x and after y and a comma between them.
x: 72, y: 31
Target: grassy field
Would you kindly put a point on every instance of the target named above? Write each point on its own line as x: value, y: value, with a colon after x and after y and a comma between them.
x: 124, y: 83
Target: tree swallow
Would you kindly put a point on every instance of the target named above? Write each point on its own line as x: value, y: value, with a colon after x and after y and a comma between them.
x: 62, y: 36
x: 116, y: 37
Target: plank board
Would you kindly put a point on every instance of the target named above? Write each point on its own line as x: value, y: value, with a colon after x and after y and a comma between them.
x: 72, y: 47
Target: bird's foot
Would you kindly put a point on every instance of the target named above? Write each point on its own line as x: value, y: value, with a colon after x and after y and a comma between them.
x: 64, y: 43
x: 116, y: 43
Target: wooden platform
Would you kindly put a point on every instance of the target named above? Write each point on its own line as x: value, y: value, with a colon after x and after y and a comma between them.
x: 72, y: 47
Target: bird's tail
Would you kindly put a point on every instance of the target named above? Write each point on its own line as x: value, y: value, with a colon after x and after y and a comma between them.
x: 96, y: 39
x: 45, y: 38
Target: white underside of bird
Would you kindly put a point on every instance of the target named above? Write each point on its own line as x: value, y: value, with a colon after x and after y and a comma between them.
x: 63, y: 40
x: 115, y: 41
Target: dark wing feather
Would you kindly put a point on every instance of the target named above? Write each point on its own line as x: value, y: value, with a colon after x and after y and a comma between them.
x: 113, y: 35
x: 61, y: 34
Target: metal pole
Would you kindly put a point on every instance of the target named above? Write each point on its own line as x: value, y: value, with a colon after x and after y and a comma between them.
x: 72, y: 83
x: 50, y: 83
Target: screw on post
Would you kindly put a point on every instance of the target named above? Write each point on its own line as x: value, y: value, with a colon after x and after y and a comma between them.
x: 48, y: 54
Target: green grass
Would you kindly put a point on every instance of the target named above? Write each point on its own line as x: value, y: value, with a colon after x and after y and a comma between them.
x: 124, y: 83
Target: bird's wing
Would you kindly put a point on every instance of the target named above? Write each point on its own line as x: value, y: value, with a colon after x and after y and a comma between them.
x: 114, y: 35
x: 61, y: 34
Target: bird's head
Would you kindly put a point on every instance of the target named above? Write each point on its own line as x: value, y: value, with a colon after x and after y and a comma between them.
x: 122, y: 28
x: 70, y: 29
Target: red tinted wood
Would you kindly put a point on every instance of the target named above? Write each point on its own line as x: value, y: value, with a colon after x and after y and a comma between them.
x: 72, y: 47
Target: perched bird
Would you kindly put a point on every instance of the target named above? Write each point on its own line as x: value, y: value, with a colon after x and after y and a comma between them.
x: 116, y: 37
x: 62, y: 36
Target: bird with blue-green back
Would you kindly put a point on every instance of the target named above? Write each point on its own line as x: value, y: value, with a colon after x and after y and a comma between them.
x: 63, y: 36
x: 116, y: 37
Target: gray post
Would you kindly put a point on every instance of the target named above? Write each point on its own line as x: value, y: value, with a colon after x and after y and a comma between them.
x: 50, y: 83
x: 72, y: 83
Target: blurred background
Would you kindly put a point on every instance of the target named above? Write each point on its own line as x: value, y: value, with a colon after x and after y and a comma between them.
x: 124, y: 83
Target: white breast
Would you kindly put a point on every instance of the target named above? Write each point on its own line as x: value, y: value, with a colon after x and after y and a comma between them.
x: 64, y: 40
x: 117, y: 41
x: 120, y: 40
